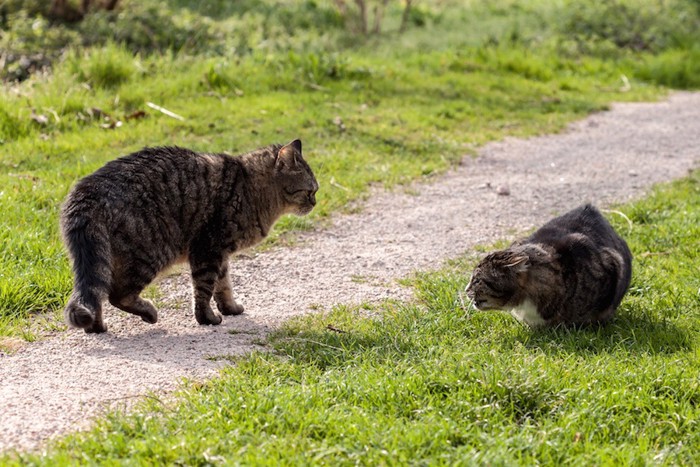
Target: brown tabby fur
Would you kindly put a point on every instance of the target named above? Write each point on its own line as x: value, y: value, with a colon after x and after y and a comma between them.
x: 141, y: 213
x: 574, y: 270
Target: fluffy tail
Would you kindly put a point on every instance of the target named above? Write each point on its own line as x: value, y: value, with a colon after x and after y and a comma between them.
x: 88, y: 246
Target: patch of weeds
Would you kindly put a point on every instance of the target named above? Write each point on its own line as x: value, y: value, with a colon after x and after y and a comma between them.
x: 674, y: 68
x: 609, y: 27
x: 259, y: 341
x: 108, y: 67
x: 359, y: 279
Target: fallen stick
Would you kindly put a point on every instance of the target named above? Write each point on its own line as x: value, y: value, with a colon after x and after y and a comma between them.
x: 165, y: 111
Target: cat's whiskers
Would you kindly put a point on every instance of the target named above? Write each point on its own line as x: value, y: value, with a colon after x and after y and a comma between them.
x: 460, y: 297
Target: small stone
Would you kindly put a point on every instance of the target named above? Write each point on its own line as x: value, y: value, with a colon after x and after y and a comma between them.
x: 337, y: 121
x: 503, y: 190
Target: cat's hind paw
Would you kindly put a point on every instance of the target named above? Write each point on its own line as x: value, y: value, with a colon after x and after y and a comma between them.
x: 96, y: 328
x: 230, y: 308
x: 207, y: 316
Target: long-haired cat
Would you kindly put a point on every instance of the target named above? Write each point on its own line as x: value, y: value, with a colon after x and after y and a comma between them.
x: 574, y: 270
x: 143, y: 212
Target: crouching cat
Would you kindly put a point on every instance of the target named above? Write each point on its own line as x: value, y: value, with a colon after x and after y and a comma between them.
x: 143, y: 212
x: 574, y: 270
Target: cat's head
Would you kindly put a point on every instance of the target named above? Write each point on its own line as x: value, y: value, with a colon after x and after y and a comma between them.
x: 296, y: 181
x: 498, y: 280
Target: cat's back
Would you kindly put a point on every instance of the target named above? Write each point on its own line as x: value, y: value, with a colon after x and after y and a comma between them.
x: 583, y: 222
x: 153, y: 166
x: 152, y: 177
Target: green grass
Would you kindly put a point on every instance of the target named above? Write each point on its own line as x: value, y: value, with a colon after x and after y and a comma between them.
x: 382, y: 110
x: 433, y: 383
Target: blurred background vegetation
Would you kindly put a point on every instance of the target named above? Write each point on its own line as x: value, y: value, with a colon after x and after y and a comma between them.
x: 35, y: 34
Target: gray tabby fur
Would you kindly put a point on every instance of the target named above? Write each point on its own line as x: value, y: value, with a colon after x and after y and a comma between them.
x: 574, y: 270
x: 144, y: 212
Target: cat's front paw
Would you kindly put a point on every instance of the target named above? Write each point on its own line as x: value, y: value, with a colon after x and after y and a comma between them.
x: 150, y: 315
x: 205, y: 315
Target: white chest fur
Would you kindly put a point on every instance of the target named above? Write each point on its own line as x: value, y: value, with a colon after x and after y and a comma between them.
x: 527, y: 313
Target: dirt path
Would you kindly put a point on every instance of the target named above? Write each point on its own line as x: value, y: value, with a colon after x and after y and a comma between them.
x: 56, y: 385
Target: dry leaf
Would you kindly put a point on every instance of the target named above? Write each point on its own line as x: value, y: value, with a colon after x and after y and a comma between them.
x: 39, y: 118
x: 135, y: 115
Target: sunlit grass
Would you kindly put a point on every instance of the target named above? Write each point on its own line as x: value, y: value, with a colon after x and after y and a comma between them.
x: 436, y: 383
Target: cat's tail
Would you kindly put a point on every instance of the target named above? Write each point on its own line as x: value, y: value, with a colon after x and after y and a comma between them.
x: 88, y: 246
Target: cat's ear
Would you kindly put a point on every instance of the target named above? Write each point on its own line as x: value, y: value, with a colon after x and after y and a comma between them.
x: 527, y: 255
x: 296, y: 144
x: 519, y: 262
x: 290, y: 154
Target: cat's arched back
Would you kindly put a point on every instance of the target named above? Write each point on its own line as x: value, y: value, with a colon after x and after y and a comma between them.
x: 574, y: 270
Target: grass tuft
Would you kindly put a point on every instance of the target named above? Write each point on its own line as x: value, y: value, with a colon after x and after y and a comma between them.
x: 106, y: 67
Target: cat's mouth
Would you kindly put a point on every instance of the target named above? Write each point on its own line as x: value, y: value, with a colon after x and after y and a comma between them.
x: 483, y: 304
x: 304, y: 210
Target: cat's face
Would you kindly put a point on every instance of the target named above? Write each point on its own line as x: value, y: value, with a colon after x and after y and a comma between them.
x: 494, y: 283
x: 297, y: 182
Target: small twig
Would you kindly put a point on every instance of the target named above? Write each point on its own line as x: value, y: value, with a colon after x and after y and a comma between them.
x: 55, y: 114
x: 337, y: 185
x: 655, y: 253
x: 317, y: 87
x: 165, y: 111
x: 322, y: 344
x: 134, y: 396
x: 626, y: 86
x: 334, y: 329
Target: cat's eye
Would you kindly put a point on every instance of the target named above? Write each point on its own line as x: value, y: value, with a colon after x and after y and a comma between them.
x: 309, y: 195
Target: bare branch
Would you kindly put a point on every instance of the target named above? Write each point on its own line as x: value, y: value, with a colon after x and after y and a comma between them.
x: 406, y: 15
x: 362, y: 6
x: 378, y: 16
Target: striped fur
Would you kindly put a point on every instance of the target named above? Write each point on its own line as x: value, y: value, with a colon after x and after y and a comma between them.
x: 574, y: 270
x: 141, y: 213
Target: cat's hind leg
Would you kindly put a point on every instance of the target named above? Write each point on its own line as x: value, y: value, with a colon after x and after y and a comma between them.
x: 125, y: 294
x: 223, y: 295
x: 132, y: 303
x: 131, y: 275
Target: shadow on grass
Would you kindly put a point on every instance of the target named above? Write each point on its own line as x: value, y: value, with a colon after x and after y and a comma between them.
x: 638, y: 334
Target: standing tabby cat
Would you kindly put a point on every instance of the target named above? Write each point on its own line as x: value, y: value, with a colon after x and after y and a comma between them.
x: 143, y: 212
x: 572, y: 271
